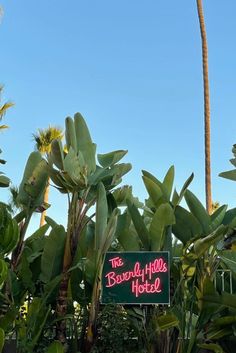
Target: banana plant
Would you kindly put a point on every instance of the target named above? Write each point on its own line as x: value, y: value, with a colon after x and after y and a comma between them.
x: 152, y: 231
x: 30, y: 197
x: 198, y: 235
x: 9, y: 236
x: 202, y: 235
x: 75, y: 172
x: 104, y: 231
x: 154, y: 227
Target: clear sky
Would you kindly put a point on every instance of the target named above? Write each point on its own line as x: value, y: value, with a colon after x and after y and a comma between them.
x: 133, y: 69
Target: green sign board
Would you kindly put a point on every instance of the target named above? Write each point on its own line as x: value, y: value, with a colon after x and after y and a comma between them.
x: 136, y: 278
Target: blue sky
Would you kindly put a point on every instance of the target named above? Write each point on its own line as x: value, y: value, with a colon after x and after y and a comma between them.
x: 133, y: 69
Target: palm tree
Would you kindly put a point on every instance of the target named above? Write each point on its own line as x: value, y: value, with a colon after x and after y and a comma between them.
x: 43, y: 139
x: 3, y: 109
x: 206, y: 107
x: 4, y: 181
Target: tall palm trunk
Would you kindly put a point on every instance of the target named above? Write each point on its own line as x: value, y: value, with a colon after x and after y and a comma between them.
x: 45, y: 200
x: 206, y: 107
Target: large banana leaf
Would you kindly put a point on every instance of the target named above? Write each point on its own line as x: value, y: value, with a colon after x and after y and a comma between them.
x: 157, y: 182
x: 217, y: 217
x: 229, y: 259
x: 34, y: 159
x: 169, y: 180
x: 225, y: 299
x: 70, y: 135
x: 198, y: 210
x: 163, y: 217
x: 52, y: 256
x: 229, y: 217
x: 203, y: 244
x: 84, y: 142
x: 126, y: 234
x: 153, y: 190
x: 231, y: 175
x: 186, y: 226
x: 57, y: 154
x: 177, y: 198
x: 111, y: 158
x: 139, y: 225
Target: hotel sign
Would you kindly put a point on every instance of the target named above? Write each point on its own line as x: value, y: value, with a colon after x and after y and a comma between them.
x: 136, y: 278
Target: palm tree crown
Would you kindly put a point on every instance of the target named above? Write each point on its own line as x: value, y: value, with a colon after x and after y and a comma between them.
x: 44, y: 138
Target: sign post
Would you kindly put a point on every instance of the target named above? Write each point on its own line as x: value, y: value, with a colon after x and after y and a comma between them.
x: 136, y: 278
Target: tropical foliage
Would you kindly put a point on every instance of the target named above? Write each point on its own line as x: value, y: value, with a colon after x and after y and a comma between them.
x: 51, y: 280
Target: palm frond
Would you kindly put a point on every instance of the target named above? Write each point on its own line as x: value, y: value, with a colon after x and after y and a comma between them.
x: 2, y: 127
x: 4, y: 108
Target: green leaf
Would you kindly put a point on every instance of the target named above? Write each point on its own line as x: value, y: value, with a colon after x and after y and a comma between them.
x: 70, y: 134
x: 55, y: 347
x: 175, y: 198
x: 169, y: 180
x: 109, y: 232
x: 10, y: 316
x: 224, y: 321
x: 25, y: 273
x: 225, y: 299
x: 186, y: 226
x: 185, y: 186
x: 3, y: 271
x: 165, y: 322
x: 229, y: 258
x: 2, y: 339
x: 203, y: 244
x: 36, y: 184
x: 229, y: 216
x: 57, y: 154
x: 231, y: 175
x: 207, y: 310
x: 127, y: 237
x: 218, y: 333
x: 84, y: 142
x: 198, y: 210
x: 158, y: 183
x: 163, y: 217
x: 153, y: 190
x: 4, y: 181
x: 211, y: 347
x: 52, y: 257
x: 139, y: 225
x: 35, y: 321
x: 50, y: 222
x: 217, y: 217
x: 122, y: 194
x: 39, y: 233
x: 32, y: 162
x: 101, y: 216
x: 109, y: 159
